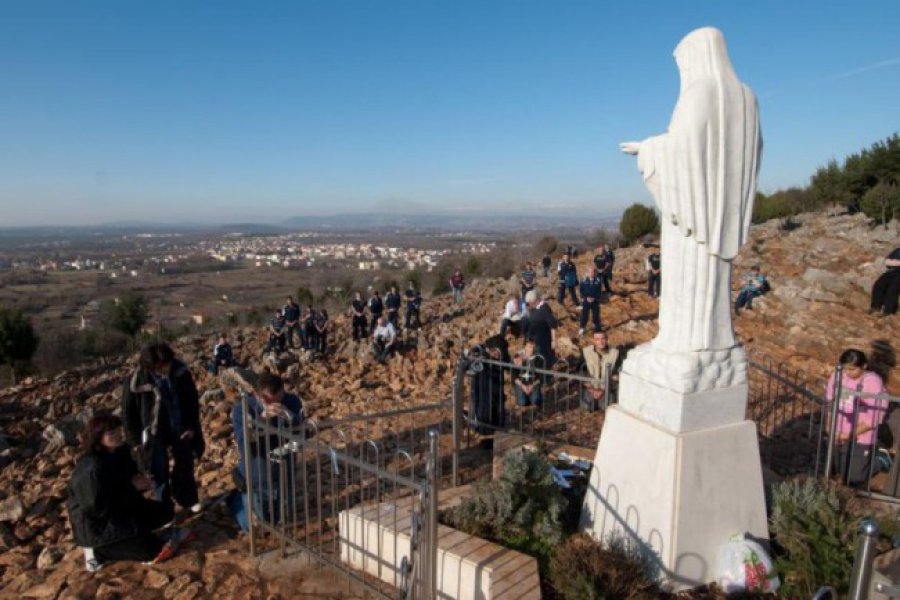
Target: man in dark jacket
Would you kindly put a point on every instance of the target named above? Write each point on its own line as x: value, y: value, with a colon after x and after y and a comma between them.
x: 413, y: 307
x: 376, y: 307
x: 161, y: 413
x: 568, y: 279
x: 358, y: 317
x: 591, y: 287
x: 223, y: 356
x: 291, y: 314
x: 392, y: 302
x: 487, y: 411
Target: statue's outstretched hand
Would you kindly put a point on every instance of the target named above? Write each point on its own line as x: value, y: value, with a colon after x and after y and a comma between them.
x: 630, y: 147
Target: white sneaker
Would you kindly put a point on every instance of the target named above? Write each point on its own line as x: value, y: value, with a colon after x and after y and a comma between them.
x: 197, y: 507
x: 91, y: 564
x: 581, y: 331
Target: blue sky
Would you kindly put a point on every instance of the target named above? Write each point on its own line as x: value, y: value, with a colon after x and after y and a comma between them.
x: 225, y: 111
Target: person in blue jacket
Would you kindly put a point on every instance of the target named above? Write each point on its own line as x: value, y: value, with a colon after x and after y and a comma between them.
x: 277, y: 408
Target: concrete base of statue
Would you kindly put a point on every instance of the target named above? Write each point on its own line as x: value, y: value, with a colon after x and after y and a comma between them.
x: 678, y: 474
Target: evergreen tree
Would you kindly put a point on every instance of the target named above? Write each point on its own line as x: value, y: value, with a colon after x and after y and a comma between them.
x: 637, y: 221
x: 128, y: 314
x: 18, y: 340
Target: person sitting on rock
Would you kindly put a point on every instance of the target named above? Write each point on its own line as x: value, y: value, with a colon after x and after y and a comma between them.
x: 528, y: 389
x: 223, y: 356
x: 392, y: 303
x: 601, y: 363
x: 886, y: 291
x: 278, y: 409
x: 413, y: 307
x: 513, y: 313
x: 161, y: 412
x: 384, y: 340
x: 277, y: 331
x: 110, y: 517
x: 856, y: 415
x: 754, y: 284
x: 358, y: 317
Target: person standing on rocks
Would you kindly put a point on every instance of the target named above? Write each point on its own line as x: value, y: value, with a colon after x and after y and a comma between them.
x: 591, y: 288
x: 568, y: 280
x: 527, y: 279
x: 545, y: 265
x: 358, y: 317
x: 309, y: 328
x: 161, y: 413
x: 457, y: 283
x: 110, y: 517
x: 413, y: 306
x: 604, y: 261
x: 542, y: 326
x: 321, y: 323
x: 392, y: 302
x: 376, y: 308
x: 654, y: 274
x: 291, y: 313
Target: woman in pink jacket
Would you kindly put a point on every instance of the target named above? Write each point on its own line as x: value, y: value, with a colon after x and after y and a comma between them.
x: 856, y: 414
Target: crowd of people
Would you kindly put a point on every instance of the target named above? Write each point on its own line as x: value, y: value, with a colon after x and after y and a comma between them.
x: 137, y: 469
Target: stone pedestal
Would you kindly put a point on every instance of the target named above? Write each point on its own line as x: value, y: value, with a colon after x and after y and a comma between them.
x: 679, y: 474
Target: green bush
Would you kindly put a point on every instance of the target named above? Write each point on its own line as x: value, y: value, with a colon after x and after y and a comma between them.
x: 882, y: 203
x: 637, y: 221
x: 815, y: 536
x: 546, y: 245
x: 18, y: 341
x: 127, y: 314
x: 584, y: 569
x: 522, y: 508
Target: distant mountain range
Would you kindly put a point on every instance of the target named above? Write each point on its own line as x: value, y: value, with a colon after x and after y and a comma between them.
x: 533, y: 220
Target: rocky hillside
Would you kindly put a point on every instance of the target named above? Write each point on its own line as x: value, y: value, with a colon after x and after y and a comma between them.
x: 821, y: 271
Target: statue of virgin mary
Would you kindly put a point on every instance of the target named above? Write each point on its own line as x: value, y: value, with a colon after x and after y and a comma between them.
x: 702, y: 175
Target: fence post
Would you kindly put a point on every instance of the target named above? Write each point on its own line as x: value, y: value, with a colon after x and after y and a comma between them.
x: 832, y: 431
x: 431, y: 527
x: 457, y: 417
x: 865, y: 555
x: 248, y: 474
x: 607, y: 378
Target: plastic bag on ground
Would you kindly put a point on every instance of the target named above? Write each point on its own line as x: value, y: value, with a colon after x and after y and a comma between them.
x: 744, y: 566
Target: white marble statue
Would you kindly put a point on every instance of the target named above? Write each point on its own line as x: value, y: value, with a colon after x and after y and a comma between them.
x: 702, y: 174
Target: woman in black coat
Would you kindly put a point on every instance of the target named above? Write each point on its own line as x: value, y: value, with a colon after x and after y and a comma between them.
x: 110, y: 517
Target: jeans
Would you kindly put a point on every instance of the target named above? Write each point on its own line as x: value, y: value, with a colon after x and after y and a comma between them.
x: 412, y: 315
x: 457, y: 294
x: 605, y: 282
x: 179, y: 482
x: 359, y: 327
x: 745, y: 297
x: 381, y: 352
x: 654, y: 284
x: 291, y: 330
x: 594, y: 309
x: 535, y: 398
x: 561, y: 295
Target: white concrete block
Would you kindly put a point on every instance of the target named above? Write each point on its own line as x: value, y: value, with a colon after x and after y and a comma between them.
x: 375, y: 539
x: 680, y: 412
x: 680, y: 496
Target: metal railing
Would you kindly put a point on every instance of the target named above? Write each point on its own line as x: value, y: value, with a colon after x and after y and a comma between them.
x: 306, y: 484
x: 527, y: 399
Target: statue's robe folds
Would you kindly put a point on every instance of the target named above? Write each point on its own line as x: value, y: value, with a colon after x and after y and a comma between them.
x: 702, y: 174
